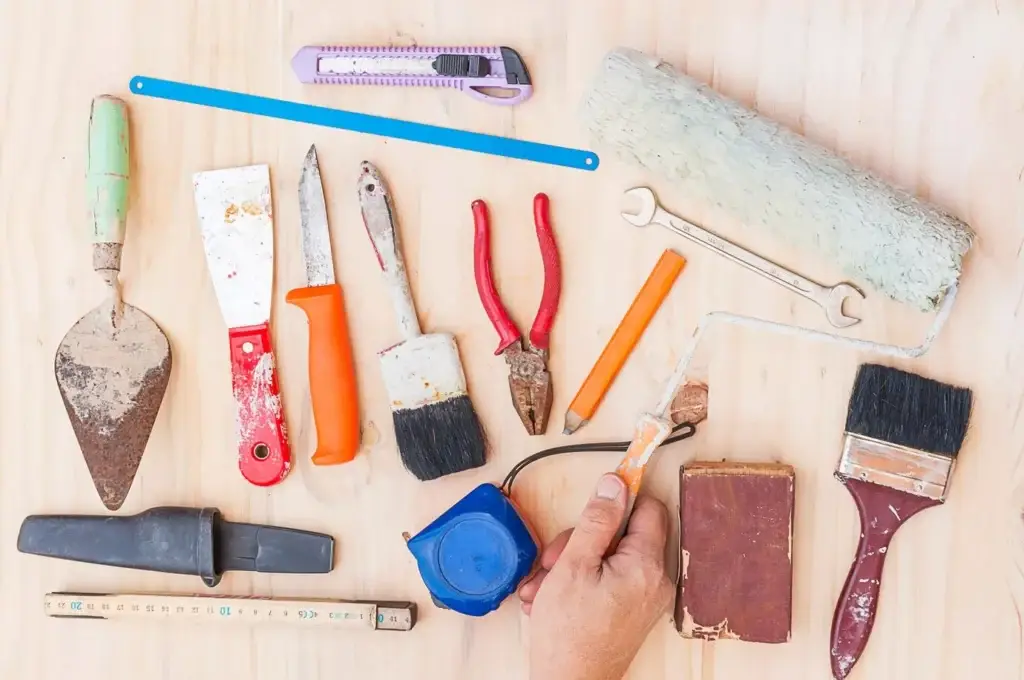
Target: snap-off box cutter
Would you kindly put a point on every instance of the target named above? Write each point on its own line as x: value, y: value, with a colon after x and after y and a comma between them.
x: 496, y: 75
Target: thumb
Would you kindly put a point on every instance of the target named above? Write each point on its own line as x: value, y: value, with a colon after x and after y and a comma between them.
x: 598, y: 524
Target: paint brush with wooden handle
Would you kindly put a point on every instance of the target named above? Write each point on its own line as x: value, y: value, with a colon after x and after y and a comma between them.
x: 903, y: 433
x: 436, y: 427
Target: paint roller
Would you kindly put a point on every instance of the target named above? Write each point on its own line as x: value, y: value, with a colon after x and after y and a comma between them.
x: 715, y: 151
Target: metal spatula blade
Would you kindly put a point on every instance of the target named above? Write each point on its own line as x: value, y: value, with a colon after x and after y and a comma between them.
x: 113, y: 366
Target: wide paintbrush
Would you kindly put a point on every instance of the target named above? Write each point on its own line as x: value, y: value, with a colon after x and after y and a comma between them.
x: 903, y: 433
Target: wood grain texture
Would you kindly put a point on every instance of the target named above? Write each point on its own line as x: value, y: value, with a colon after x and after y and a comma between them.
x: 929, y: 95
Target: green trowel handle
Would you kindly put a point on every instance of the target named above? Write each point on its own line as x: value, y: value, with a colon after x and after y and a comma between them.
x: 107, y: 180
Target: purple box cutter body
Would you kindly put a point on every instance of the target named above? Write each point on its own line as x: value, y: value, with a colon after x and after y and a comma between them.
x: 470, y: 69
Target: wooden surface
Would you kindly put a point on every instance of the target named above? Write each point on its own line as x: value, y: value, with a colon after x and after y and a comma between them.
x: 929, y: 94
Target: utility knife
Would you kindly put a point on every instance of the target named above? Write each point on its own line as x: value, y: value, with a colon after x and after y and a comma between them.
x: 236, y: 221
x: 332, y: 376
x: 496, y: 75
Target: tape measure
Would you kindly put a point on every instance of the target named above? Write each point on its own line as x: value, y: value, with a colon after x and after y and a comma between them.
x: 399, y: 616
x: 476, y: 554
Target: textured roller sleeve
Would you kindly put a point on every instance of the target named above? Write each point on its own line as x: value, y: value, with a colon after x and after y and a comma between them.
x: 717, y: 152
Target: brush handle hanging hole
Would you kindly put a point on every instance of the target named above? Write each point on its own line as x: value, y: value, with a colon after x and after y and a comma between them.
x: 247, y: 347
x: 261, y: 452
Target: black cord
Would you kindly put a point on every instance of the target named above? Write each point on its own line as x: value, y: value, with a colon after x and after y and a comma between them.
x: 621, y: 447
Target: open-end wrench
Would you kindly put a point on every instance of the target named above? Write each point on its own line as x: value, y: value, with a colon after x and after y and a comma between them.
x: 830, y: 299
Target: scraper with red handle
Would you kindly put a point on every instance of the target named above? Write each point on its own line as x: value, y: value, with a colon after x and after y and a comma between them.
x: 236, y: 221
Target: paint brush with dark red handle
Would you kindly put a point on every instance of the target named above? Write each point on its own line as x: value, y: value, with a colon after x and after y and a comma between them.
x: 903, y: 433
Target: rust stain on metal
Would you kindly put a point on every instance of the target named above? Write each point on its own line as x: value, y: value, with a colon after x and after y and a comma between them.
x: 231, y: 213
x: 112, y: 381
x: 530, y: 385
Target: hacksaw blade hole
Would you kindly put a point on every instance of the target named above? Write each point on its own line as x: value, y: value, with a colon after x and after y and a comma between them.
x: 370, y: 188
x: 261, y: 452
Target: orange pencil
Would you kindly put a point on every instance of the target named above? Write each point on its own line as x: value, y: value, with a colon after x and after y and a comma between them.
x: 623, y: 340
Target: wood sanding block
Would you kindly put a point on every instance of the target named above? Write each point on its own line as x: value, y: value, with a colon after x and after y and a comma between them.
x: 736, y: 557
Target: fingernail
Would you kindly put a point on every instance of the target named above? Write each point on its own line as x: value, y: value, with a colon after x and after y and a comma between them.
x: 609, y: 487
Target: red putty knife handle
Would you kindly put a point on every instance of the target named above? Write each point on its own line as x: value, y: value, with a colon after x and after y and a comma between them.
x: 882, y: 510
x: 263, y: 454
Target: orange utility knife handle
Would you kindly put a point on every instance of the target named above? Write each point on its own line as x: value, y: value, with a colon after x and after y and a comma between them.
x: 332, y: 374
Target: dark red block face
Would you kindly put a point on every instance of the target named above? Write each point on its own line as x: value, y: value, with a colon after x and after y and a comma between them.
x: 736, y: 552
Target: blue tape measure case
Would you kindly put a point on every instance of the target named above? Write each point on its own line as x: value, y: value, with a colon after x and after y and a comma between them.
x: 475, y: 554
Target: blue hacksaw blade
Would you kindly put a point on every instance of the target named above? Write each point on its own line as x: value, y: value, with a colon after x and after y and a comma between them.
x: 366, y: 123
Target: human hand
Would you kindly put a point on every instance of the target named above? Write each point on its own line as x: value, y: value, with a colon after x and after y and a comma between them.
x: 590, y: 612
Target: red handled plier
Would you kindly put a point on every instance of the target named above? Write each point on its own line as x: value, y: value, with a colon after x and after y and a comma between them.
x: 528, y: 378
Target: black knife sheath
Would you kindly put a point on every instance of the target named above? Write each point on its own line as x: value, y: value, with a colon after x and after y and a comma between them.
x: 177, y: 541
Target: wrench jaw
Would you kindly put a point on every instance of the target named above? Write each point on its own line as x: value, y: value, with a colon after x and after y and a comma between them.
x: 648, y: 206
x: 834, y: 305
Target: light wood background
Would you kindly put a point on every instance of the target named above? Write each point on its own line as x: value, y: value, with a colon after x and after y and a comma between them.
x: 930, y: 94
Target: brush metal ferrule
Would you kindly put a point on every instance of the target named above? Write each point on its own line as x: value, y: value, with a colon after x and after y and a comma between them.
x: 898, y: 467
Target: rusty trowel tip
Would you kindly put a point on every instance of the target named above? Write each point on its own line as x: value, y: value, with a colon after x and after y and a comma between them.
x: 112, y: 382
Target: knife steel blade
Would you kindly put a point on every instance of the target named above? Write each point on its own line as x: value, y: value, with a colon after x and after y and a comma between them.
x: 316, y: 236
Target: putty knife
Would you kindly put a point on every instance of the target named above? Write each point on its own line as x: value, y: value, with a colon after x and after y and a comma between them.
x: 236, y: 220
x: 112, y: 367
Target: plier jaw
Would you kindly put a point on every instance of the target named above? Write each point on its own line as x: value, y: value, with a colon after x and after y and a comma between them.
x: 529, y: 380
x: 529, y: 383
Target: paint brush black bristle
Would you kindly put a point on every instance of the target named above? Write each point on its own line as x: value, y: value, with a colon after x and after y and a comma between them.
x: 902, y: 408
x: 441, y: 438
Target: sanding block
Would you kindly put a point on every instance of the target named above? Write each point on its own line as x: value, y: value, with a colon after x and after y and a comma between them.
x: 736, y: 552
